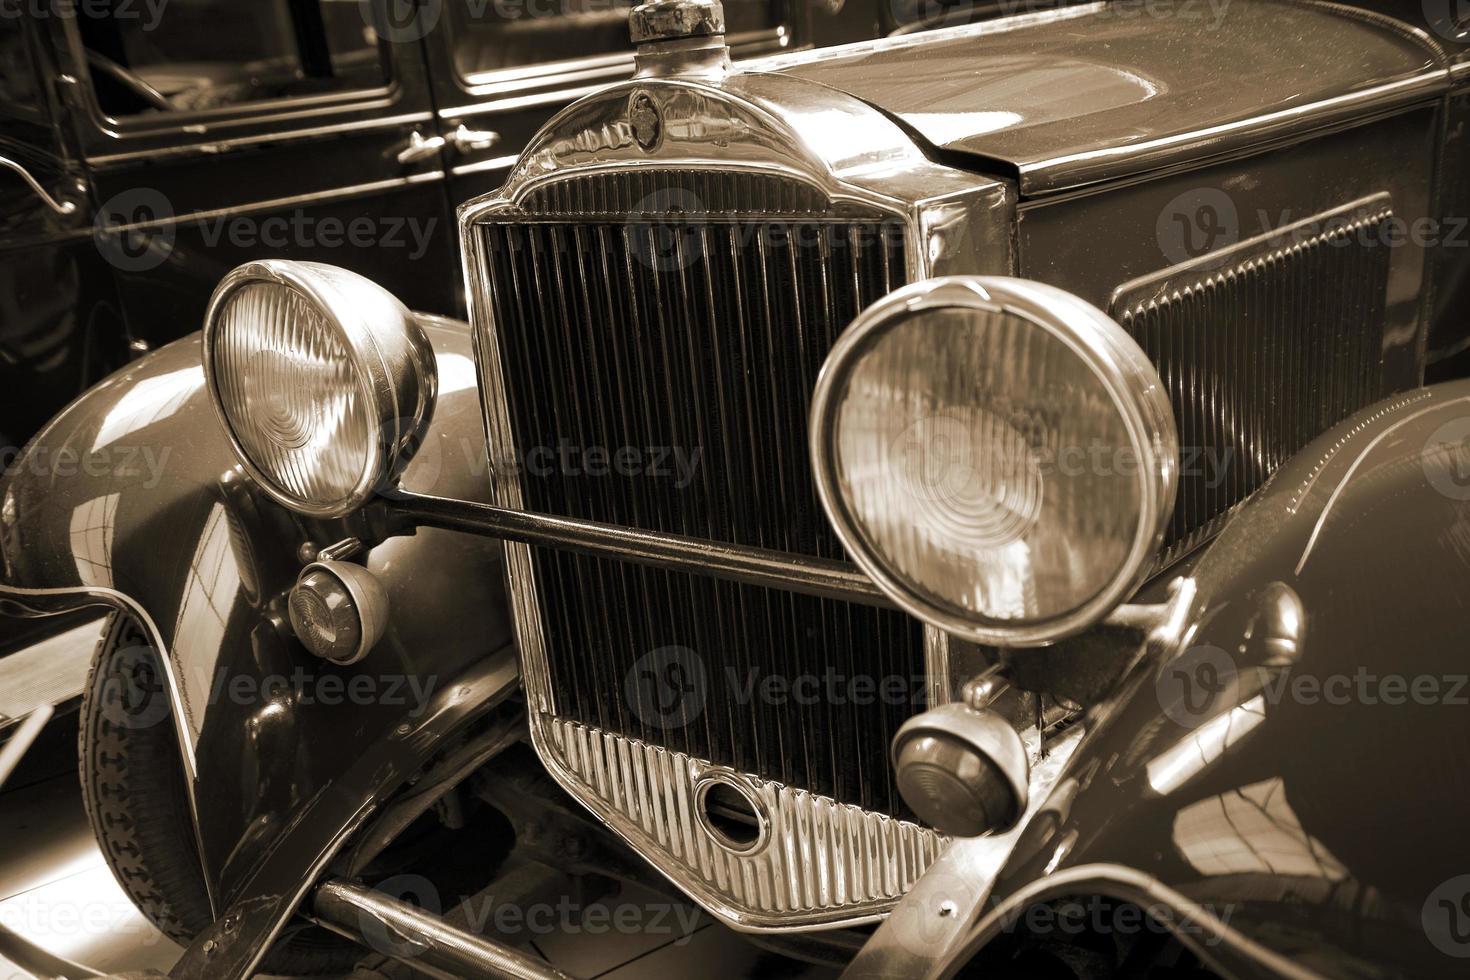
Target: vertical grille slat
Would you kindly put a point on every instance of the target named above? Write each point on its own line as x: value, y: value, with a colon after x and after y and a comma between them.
x: 702, y: 335
x: 1261, y: 351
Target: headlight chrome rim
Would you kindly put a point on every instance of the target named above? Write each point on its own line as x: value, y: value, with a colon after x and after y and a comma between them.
x: 1115, y: 359
x: 391, y: 358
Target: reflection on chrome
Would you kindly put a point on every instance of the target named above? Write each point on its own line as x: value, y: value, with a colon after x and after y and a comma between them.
x: 456, y: 373
x: 1252, y: 830
x: 209, y: 596
x: 92, y: 526
x: 150, y: 400
x: 1190, y: 756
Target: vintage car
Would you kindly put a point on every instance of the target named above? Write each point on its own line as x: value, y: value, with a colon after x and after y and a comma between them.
x: 147, y: 148
x: 967, y: 501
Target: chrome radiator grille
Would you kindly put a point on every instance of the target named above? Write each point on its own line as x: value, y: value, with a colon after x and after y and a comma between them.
x: 1263, y: 347
x: 689, y: 342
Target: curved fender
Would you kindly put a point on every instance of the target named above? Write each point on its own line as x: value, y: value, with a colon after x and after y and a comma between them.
x: 1285, y: 784
x: 131, y: 498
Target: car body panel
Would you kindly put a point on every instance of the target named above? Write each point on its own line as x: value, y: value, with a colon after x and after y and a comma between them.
x: 132, y: 498
x: 1291, y: 767
x: 1075, y: 96
x: 1092, y: 244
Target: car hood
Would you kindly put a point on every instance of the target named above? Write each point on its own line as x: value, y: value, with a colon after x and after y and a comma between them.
x: 1102, y: 91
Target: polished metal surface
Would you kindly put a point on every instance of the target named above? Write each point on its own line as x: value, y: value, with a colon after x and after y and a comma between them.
x: 719, y: 140
x: 366, y: 609
x: 680, y: 37
x: 670, y: 20
x: 1092, y: 93
x: 736, y: 563
x: 63, y: 208
x: 420, y: 147
x: 817, y: 863
x: 962, y: 769
x: 423, y: 941
x: 467, y: 140
x: 936, y: 914
x: 393, y: 359
x: 1138, y: 395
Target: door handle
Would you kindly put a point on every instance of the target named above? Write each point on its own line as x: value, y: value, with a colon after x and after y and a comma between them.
x: 419, y: 148
x: 60, y: 207
x: 468, y: 140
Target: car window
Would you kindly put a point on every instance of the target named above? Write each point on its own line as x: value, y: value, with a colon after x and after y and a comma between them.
x: 198, y: 55
x: 19, y: 96
x: 490, y: 36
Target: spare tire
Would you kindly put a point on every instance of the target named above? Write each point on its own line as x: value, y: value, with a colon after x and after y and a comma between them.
x: 137, y: 800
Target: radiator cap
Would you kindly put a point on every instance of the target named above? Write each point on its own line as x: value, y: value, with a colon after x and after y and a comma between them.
x: 672, y: 20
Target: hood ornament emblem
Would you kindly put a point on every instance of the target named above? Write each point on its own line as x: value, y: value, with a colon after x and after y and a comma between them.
x: 648, y: 125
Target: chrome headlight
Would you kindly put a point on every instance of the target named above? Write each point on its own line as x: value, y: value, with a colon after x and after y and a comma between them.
x: 997, y: 454
x: 323, y: 379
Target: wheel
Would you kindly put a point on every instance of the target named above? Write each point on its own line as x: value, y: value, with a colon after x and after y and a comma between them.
x: 136, y: 797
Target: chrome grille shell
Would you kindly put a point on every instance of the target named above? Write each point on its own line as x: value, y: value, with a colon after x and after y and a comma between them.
x: 726, y: 143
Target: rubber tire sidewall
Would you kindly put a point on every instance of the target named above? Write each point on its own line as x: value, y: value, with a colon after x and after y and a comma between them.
x: 137, y: 800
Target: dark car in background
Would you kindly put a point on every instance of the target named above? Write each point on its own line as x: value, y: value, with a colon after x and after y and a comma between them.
x: 149, y: 146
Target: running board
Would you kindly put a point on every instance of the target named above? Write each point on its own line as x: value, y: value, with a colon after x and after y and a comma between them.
x: 419, y: 939
x: 47, y: 674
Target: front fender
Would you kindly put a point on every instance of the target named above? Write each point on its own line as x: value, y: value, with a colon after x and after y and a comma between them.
x: 131, y: 498
x: 1286, y: 784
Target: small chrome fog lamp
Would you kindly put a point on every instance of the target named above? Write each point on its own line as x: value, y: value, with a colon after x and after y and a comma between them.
x: 997, y: 454
x: 963, y: 771
x: 323, y: 379
x: 338, y: 610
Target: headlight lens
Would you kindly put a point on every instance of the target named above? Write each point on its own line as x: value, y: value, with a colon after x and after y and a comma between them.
x: 997, y: 454
x: 322, y: 378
